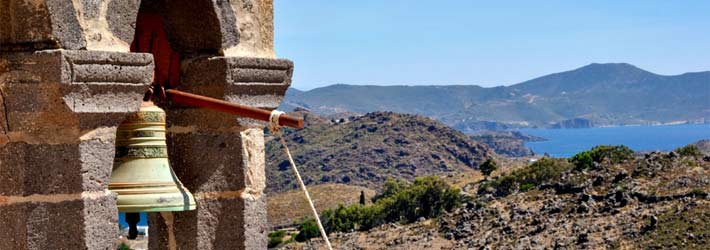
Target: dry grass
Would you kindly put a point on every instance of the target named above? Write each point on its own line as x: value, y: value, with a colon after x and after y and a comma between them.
x: 289, y: 207
x: 140, y: 243
x: 468, y: 181
x: 462, y: 179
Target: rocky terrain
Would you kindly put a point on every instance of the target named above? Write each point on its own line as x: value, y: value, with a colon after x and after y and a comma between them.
x: 703, y: 146
x: 368, y: 149
x: 507, y: 143
x: 658, y: 200
x: 652, y: 201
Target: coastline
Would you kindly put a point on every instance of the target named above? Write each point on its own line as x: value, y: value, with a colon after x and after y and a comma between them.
x: 567, y: 142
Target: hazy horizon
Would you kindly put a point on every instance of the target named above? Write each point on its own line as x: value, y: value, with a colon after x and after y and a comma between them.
x: 483, y: 43
x: 492, y: 86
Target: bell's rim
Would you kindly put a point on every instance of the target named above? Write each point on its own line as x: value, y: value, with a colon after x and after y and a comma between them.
x: 113, y: 185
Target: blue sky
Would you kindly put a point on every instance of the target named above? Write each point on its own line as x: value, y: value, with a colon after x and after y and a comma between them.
x: 487, y: 43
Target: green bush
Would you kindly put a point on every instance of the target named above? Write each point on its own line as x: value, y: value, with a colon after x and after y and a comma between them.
x: 273, y: 242
x: 427, y: 197
x: 613, y: 154
x: 389, y: 188
x: 276, y: 238
x: 307, y: 229
x: 277, y: 234
x: 545, y: 170
x: 503, y: 186
x: 343, y: 218
x: 689, y: 151
x: 526, y: 187
x: 488, y: 166
x: 123, y: 246
x: 582, y: 160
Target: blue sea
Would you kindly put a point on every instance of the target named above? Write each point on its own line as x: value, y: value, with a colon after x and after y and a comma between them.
x: 567, y: 142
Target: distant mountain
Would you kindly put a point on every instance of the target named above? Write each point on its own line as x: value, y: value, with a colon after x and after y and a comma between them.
x: 593, y: 95
x: 370, y: 148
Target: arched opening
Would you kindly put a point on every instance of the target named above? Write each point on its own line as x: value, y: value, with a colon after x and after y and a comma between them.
x: 88, y: 83
x: 151, y: 37
x: 209, y: 150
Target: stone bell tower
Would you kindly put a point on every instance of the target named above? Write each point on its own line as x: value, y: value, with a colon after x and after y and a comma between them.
x: 68, y: 77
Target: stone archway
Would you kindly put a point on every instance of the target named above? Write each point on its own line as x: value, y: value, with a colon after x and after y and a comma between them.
x: 67, y: 79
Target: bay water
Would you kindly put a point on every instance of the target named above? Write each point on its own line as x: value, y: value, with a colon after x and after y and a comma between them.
x: 567, y: 142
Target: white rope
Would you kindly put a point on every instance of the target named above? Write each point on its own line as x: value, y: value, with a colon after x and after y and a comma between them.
x: 274, y: 128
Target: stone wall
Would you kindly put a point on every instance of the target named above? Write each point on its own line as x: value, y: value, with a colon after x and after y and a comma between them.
x: 227, y: 28
x: 60, y: 112
x: 234, y: 179
x: 67, y: 79
x: 256, y: 29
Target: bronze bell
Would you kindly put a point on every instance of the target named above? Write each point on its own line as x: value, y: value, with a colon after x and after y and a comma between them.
x: 142, y: 176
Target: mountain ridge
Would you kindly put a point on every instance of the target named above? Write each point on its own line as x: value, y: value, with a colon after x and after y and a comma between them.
x: 593, y: 95
x: 504, y: 86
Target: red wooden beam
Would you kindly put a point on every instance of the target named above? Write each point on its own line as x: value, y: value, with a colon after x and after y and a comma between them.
x: 199, y: 101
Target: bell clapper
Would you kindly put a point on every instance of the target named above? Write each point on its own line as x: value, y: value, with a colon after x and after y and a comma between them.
x: 132, y: 219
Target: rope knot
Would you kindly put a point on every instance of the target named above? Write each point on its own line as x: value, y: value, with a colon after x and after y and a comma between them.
x: 274, y: 126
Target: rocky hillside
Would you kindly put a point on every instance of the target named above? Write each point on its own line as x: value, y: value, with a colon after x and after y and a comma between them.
x: 652, y: 201
x: 371, y: 148
x: 703, y: 146
x: 508, y: 143
x: 593, y: 95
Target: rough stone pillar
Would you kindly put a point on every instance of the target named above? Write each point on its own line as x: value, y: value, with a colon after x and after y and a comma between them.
x: 219, y: 157
x: 58, y: 119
